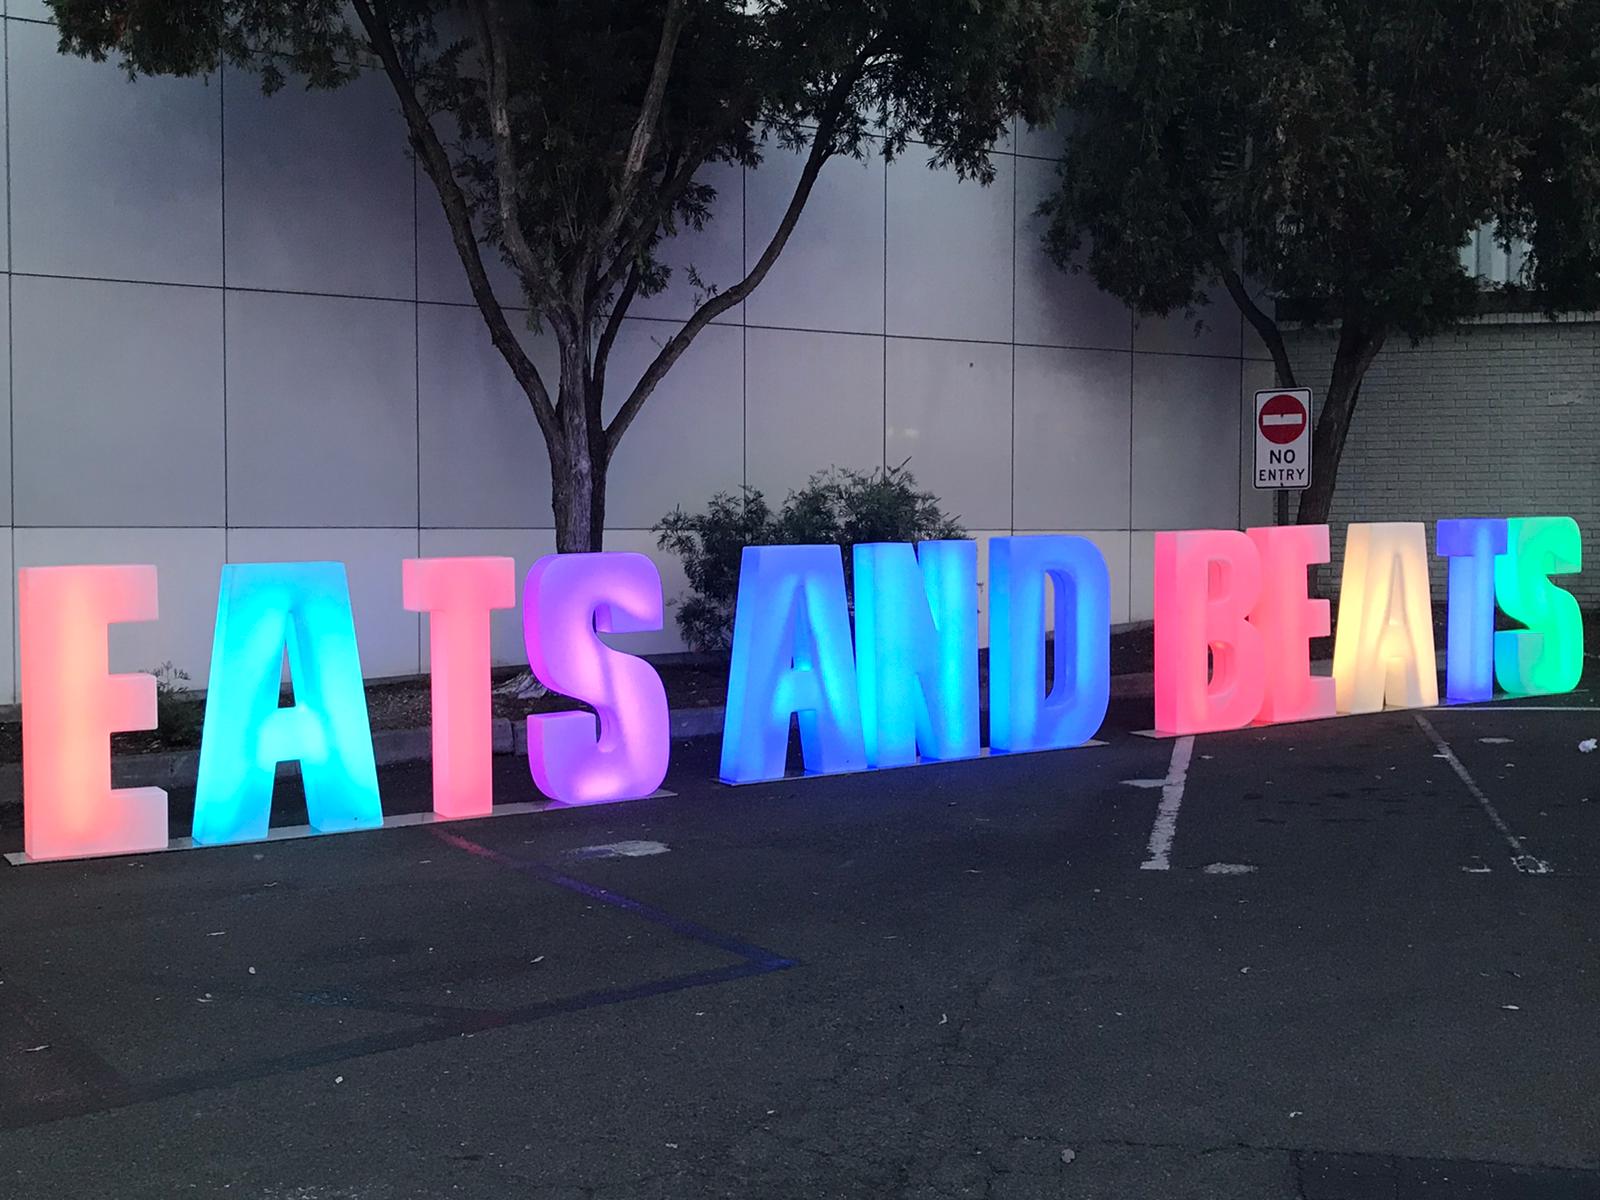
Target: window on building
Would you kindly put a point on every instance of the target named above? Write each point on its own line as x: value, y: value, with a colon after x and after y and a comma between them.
x: 1486, y: 260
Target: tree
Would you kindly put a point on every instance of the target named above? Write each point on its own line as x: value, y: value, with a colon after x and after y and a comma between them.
x: 1336, y: 153
x: 569, y: 136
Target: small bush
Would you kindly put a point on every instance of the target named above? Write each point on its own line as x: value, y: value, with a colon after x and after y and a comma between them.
x: 179, y: 714
x: 838, y: 506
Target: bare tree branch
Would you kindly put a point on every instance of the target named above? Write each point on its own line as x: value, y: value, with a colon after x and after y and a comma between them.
x: 608, y: 336
x: 506, y: 173
x: 677, y: 174
x: 436, y: 162
x: 822, y: 146
x: 1263, y: 324
x: 644, y: 129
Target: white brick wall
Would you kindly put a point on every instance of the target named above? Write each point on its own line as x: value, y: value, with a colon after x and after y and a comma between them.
x: 234, y: 328
x: 1500, y: 418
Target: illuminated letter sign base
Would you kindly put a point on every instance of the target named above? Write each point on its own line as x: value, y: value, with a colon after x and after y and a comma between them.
x: 1233, y: 630
x: 1234, y: 621
x: 71, y: 704
x: 907, y: 690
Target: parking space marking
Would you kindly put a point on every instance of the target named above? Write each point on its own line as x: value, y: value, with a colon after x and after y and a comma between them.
x: 1166, y: 826
x: 1527, y: 863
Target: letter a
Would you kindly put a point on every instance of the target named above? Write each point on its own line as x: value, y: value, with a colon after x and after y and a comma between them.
x: 791, y: 656
x: 1383, y: 648
x: 265, y: 608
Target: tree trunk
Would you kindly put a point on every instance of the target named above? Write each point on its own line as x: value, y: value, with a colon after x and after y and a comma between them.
x: 579, y: 461
x: 1358, y: 346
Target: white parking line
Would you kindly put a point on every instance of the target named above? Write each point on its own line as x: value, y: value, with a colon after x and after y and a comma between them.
x: 1520, y: 858
x: 1166, y: 826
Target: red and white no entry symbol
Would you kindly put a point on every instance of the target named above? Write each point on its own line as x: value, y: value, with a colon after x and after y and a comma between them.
x: 1282, y: 419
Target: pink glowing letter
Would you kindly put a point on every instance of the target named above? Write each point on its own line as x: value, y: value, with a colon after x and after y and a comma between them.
x: 1288, y: 619
x: 458, y: 594
x: 71, y: 706
x: 567, y: 598
x: 1207, y: 581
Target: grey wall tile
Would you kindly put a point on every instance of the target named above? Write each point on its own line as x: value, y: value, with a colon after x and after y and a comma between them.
x: 117, y: 403
x: 949, y: 412
x: 830, y: 274
x: 813, y: 401
x: 322, y: 420
x: 1073, y: 430
x: 683, y: 445
x: 950, y: 248
x: 483, y: 456
x: 1056, y: 307
x: 319, y: 189
x: 109, y: 178
x: 1186, y: 440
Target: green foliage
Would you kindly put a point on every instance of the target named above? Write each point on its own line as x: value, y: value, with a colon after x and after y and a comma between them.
x: 179, y: 715
x: 1339, y: 154
x: 837, y: 507
x: 948, y: 72
x: 572, y: 136
x: 1556, y: 208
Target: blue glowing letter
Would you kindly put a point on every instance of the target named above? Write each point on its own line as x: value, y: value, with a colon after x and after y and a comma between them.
x: 1471, y: 546
x: 791, y: 655
x: 1547, y: 656
x: 265, y: 607
x: 917, y: 650
x: 1021, y: 715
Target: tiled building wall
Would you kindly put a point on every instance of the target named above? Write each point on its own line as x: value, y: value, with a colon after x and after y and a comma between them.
x: 236, y: 330
x: 1496, y: 418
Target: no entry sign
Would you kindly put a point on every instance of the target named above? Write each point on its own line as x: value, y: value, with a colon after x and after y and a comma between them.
x: 1283, y: 439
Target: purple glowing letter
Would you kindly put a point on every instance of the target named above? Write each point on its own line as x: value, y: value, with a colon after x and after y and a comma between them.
x: 567, y: 599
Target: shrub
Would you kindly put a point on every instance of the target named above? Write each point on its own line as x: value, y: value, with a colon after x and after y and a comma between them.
x: 179, y: 714
x: 837, y: 506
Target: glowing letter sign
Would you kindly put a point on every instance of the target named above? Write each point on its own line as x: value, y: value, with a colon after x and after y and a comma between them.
x: 791, y: 655
x: 1021, y: 715
x: 566, y: 600
x: 1288, y: 619
x: 264, y: 609
x: 1383, y: 650
x: 1207, y: 581
x: 1547, y: 656
x: 1233, y: 630
x: 1471, y: 547
x: 458, y: 595
x: 917, y: 650
x: 71, y: 706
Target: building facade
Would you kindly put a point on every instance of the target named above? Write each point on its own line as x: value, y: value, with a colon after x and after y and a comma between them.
x: 235, y: 330
x: 1495, y: 418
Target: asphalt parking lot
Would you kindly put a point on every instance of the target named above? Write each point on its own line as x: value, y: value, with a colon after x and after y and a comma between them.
x: 1334, y: 961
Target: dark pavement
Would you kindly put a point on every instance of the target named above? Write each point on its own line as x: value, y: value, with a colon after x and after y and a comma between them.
x: 920, y: 983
